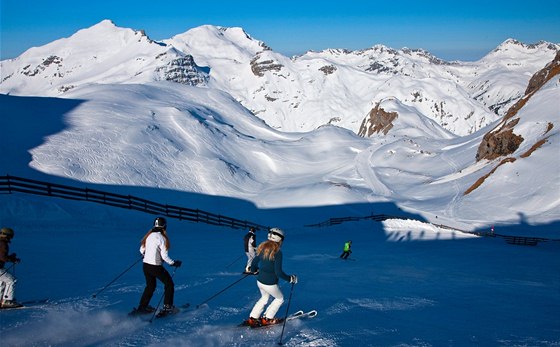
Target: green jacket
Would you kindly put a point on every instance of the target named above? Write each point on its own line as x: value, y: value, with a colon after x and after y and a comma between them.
x: 347, y: 247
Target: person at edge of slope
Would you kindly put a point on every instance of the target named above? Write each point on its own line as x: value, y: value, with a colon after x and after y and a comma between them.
x: 7, y: 280
x: 154, y: 248
x: 250, y: 243
x: 269, y: 257
x: 346, y: 251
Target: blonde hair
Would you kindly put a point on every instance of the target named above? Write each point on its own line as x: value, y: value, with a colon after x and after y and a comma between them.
x: 163, y: 233
x: 268, y: 249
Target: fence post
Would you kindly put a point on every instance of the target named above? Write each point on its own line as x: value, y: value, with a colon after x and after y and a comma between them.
x: 9, y: 184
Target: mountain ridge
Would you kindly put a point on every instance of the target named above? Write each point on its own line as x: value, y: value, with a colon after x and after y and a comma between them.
x: 291, y: 94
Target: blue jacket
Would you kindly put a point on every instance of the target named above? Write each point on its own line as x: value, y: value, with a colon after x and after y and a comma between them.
x: 269, y: 271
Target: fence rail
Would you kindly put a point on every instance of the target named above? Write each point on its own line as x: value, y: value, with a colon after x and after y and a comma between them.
x: 514, y: 240
x: 13, y: 184
x: 336, y: 221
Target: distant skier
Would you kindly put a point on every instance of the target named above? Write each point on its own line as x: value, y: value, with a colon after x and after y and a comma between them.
x: 250, y: 242
x: 154, y: 247
x: 269, y: 257
x: 7, y: 280
x: 346, y: 251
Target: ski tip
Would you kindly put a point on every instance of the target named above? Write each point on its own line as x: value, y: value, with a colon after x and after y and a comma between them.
x: 201, y: 306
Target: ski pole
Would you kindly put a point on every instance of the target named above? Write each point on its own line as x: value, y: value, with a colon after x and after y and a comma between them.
x: 160, y: 299
x: 286, y: 317
x: 235, y: 261
x: 221, y: 291
x: 9, y: 267
x: 116, y: 278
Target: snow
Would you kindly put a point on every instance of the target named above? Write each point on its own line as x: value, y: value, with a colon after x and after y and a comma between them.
x: 421, y: 277
x: 412, y: 281
x: 444, y: 290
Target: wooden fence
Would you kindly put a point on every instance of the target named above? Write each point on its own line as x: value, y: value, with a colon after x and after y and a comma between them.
x: 336, y: 221
x: 12, y: 184
x: 514, y: 240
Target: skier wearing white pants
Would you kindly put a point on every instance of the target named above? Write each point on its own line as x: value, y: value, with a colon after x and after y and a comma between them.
x: 269, y: 257
x: 7, y: 280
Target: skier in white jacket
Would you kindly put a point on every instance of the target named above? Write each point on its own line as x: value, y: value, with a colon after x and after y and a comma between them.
x: 154, y: 248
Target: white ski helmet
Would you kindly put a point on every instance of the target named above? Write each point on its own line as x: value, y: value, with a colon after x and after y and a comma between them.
x: 276, y: 235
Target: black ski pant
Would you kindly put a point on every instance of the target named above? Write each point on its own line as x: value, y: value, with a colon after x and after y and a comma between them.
x: 345, y: 255
x: 153, y: 272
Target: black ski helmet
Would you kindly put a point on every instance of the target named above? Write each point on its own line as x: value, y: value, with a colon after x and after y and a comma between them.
x: 7, y: 233
x: 160, y: 222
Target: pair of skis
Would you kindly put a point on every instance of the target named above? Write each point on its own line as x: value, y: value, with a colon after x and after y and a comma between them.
x: 296, y: 315
x: 161, y: 313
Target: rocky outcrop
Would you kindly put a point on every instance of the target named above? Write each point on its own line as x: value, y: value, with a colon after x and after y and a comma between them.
x: 544, y: 75
x: 328, y: 69
x: 182, y: 70
x: 499, y: 142
x: 377, y: 121
x: 502, y: 141
x: 260, y: 67
x: 53, y: 59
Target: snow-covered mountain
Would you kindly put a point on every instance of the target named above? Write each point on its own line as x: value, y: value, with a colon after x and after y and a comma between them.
x: 301, y: 93
x: 420, y: 121
x: 101, y: 54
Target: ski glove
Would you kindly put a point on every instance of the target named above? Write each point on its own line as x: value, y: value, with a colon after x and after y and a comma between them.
x: 177, y: 263
x: 13, y: 258
x: 293, y: 279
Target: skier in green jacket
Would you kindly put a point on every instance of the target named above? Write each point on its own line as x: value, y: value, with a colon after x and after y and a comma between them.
x: 347, y: 250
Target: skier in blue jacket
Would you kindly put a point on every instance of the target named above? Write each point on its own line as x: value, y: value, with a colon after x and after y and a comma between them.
x: 268, y: 262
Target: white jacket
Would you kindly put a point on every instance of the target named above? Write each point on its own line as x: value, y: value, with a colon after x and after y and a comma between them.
x: 155, y: 250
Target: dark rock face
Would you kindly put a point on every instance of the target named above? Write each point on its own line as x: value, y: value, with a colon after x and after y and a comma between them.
x: 377, y: 121
x: 182, y: 70
x: 501, y: 141
x: 260, y: 67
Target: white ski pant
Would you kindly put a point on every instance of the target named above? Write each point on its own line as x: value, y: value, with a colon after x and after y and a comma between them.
x: 267, y: 291
x: 7, y: 285
x: 250, y: 257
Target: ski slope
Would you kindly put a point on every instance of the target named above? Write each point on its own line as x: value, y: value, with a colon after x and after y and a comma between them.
x: 407, y: 283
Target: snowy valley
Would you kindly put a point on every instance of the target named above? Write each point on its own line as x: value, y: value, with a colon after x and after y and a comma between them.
x: 215, y: 103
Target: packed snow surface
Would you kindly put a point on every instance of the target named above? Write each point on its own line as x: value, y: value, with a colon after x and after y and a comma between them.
x: 405, y: 283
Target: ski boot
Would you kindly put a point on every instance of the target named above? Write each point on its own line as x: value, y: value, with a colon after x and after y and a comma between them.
x: 251, y: 322
x: 166, y: 311
x: 11, y: 304
x: 270, y: 321
x: 142, y: 310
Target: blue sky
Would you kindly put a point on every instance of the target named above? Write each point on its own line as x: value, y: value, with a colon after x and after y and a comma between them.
x: 450, y: 30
